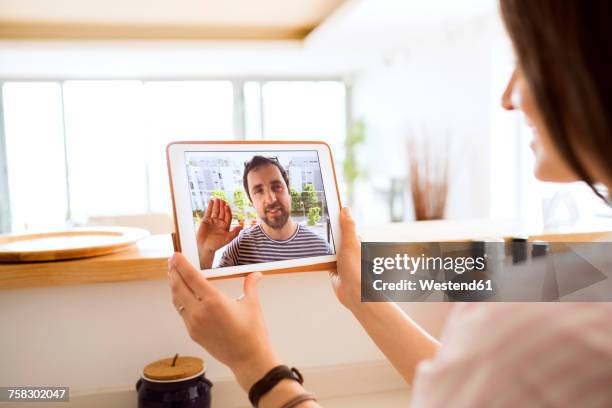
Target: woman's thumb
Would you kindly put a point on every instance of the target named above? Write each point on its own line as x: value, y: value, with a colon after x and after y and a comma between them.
x: 347, y: 223
x: 250, y: 284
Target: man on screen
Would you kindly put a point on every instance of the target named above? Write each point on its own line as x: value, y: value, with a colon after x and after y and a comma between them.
x: 277, y: 238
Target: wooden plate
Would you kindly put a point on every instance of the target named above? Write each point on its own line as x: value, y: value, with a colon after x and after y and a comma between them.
x: 82, y: 242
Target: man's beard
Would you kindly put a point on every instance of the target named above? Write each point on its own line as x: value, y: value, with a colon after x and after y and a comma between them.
x: 280, y: 220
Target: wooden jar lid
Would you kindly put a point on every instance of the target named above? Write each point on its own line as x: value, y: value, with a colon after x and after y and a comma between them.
x: 174, y: 368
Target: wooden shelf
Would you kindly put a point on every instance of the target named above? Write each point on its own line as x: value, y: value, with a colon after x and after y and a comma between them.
x: 147, y: 260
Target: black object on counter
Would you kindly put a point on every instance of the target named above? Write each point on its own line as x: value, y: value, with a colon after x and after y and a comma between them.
x: 519, y: 250
x: 539, y: 248
x: 180, y: 394
x: 174, y: 383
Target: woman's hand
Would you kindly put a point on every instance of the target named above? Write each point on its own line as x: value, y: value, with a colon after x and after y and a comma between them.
x: 346, y: 280
x: 231, y: 330
x: 403, y: 342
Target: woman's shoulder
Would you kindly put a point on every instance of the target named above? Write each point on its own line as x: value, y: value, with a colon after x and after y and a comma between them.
x: 517, y: 351
x: 499, y: 324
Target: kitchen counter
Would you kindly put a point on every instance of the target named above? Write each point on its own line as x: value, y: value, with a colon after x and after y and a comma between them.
x: 147, y: 260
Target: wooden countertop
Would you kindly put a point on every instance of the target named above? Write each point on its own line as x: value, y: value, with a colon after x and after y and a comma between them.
x: 147, y: 260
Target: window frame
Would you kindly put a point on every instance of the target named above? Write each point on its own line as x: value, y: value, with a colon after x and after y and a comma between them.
x: 5, y: 207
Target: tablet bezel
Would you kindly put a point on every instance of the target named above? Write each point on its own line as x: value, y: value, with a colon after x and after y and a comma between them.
x: 184, y: 237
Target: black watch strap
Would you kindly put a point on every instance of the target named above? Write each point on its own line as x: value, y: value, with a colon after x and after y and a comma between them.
x: 273, y: 377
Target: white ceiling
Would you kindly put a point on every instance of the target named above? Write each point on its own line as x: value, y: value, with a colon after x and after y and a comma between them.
x: 358, y: 33
x: 334, y: 21
x: 162, y: 19
x: 278, y: 13
x: 388, y: 24
x: 401, y: 12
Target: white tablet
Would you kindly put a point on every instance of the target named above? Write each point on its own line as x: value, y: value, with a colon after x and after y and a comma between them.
x: 245, y: 206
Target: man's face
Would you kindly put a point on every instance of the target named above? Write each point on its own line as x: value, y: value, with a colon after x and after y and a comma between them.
x: 270, y: 195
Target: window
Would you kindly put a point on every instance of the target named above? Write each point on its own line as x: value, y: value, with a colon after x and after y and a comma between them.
x: 36, y: 172
x: 61, y: 138
x: 182, y: 110
x: 104, y: 144
x: 296, y: 110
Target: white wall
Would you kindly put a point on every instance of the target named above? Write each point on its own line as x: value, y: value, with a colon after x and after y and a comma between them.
x: 441, y: 86
x: 169, y: 59
x: 98, y: 337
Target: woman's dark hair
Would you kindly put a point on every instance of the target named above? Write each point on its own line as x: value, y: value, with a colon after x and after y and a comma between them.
x: 564, y: 49
x: 257, y: 162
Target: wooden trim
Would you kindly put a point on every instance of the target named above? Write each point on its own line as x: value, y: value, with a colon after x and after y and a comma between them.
x: 176, y: 241
x: 147, y: 260
x: 81, y: 272
x: 26, y: 30
x: 574, y: 237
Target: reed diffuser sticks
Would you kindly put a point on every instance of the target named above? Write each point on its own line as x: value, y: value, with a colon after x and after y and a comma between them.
x: 428, y: 174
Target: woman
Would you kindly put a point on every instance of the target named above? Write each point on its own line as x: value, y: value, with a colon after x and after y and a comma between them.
x: 490, y: 354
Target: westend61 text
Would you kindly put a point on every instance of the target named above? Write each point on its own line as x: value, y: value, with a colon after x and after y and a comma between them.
x: 431, y: 285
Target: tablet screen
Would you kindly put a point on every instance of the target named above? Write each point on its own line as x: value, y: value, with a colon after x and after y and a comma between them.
x: 258, y: 206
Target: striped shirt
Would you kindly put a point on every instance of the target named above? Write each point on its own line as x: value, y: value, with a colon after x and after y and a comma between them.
x: 520, y: 355
x: 254, y: 246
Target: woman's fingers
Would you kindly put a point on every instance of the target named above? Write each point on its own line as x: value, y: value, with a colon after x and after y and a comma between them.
x: 182, y: 296
x: 250, y: 285
x: 194, y: 279
x: 346, y: 220
x: 347, y: 224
